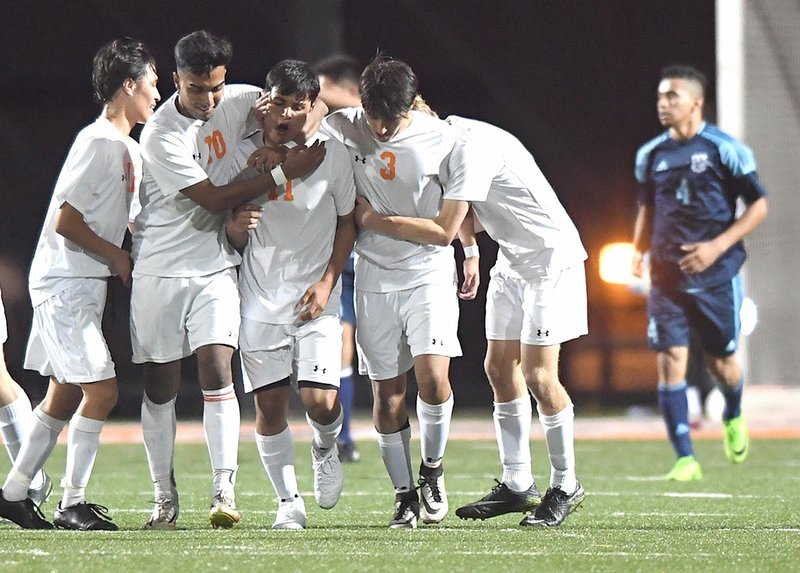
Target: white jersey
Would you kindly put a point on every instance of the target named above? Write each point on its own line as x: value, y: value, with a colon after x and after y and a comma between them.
x: 100, y: 178
x: 513, y: 201
x: 176, y: 237
x: 402, y: 176
x: 291, y: 247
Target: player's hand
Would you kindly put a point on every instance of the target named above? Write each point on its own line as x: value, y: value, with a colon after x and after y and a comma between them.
x: 637, y: 264
x: 699, y: 256
x: 472, y: 279
x: 266, y: 158
x: 302, y: 160
x: 313, y: 301
x: 121, y: 266
x: 363, y: 213
x: 260, y: 106
x: 245, y: 217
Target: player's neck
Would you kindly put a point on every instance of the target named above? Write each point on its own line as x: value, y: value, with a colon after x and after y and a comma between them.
x: 688, y: 129
x: 118, y: 119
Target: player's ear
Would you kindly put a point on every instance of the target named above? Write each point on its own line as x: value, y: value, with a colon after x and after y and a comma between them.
x: 128, y: 86
x: 176, y: 80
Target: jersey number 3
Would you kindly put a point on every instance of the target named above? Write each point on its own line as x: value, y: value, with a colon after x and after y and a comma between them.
x: 388, y: 172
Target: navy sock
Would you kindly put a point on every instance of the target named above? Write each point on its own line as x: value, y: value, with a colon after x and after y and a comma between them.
x: 346, y: 399
x: 675, y: 410
x: 733, y: 400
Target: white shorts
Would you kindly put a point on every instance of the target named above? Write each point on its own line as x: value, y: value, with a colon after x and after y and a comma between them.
x: 309, y: 353
x: 395, y: 327
x: 539, y: 312
x: 66, y: 340
x: 171, y: 317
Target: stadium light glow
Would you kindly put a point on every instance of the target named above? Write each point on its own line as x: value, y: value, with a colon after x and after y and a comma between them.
x: 615, y: 263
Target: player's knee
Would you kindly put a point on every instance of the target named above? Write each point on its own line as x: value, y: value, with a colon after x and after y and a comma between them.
x: 540, y: 379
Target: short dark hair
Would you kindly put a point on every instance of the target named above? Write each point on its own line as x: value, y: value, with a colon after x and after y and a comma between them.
x: 685, y: 72
x: 387, y: 88
x: 116, y: 62
x: 201, y: 51
x: 293, y: 77
x: 340, y: 69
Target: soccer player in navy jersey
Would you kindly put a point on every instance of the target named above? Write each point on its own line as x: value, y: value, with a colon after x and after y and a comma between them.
x: 690, y: 178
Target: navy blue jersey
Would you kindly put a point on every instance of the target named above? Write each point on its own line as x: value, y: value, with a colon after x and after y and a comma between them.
x: 691, y: 187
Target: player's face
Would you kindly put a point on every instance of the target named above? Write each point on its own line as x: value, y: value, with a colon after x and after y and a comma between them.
x: 199, y: 95
x: 678, y: 101
x: 385, y: 129
x: 285, y: 116
x: 145, y: 95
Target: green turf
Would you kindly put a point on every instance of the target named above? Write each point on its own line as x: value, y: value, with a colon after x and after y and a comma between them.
x: 739, y: 518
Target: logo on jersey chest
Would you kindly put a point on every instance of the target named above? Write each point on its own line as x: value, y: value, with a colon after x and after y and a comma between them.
x: 360, y: 159
x: 699, y: 162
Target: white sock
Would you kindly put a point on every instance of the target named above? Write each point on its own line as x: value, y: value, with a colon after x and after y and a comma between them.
x: 396, y: 454
x: 159, y: 429
x: 221, y: 420
x: 15, y: 422
x: 82, y: 441
x: 277, y: 456
x: 325, y: 435
x: 559, y: 431
x: 512, y: 428
x: 434, y: 427
x: 32, y: 455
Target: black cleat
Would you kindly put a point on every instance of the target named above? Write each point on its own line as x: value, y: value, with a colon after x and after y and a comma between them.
x: 24, y: 513
x: 406, y: 510
x: 348, y: 452
x: 84, y: 517
x: 501, y: 500
x: 556, y: 506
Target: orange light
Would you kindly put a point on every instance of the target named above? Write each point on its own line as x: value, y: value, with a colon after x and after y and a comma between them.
x: 615, y: 263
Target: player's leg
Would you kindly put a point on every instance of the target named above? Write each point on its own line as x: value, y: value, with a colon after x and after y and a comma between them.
x: 668, y: 334
x: 719, y: 329
x: 318, y: 354
x: 266, y: 353
x: 83, y: 439
x: 159, y: 342
x: 212, y: 327
x: 16, y: 419
x: 430, y: 314
x: 378, y: 338
x: 348, y: 452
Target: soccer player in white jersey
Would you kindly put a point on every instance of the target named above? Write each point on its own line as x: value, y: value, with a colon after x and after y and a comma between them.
x: 536, y: 301
x: 406, y: 303
x: 185, y: 297
x: 289, y: 286
x: 78, y: 250
x: 16, y: 418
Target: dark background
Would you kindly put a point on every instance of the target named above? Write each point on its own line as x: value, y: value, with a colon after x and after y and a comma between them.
x: 574, y: 80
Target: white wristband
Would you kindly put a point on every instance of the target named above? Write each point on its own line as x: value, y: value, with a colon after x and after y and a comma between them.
x: 278, y: 176
x: 471, y: 251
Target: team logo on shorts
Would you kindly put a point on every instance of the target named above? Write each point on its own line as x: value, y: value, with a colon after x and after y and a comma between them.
x: 699, y: 162
x: 542, y: 332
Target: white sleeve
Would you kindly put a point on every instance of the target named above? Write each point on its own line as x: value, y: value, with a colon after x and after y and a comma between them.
x: 168, y: 159
x: 344, y: 185
x: 86, y: 172
x: 470, y: 170
x: 242, y: 97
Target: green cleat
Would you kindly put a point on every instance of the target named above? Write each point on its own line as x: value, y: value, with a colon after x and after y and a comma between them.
x: 737, y: 440
x: 685, y: 469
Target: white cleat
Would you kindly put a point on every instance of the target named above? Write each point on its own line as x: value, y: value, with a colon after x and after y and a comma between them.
x: 165, y: 513
x: 291, y: 514
x: 433, y: 497
x: 328, y: 476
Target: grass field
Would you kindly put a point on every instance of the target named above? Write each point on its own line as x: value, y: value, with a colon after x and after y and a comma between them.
x: 739, y: 518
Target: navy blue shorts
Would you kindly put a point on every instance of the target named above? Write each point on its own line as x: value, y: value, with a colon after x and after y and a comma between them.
x: 712, y: 314
x: 346, y: 308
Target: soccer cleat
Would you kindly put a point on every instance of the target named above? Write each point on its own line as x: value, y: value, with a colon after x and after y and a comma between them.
x: 736, y: 440
x: 685, y: 469
x: 165, y: 513
x: 348, y: 452
x: 328, y: 476
x: 432, y: 494
x: 555, y: 507
x: 24, y: 513
x: 291, y: 514
x: 83, y: 517
x: 223, y: 512
x: 41, y: 493
x: 406, y: 510
x: 501, y: 500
